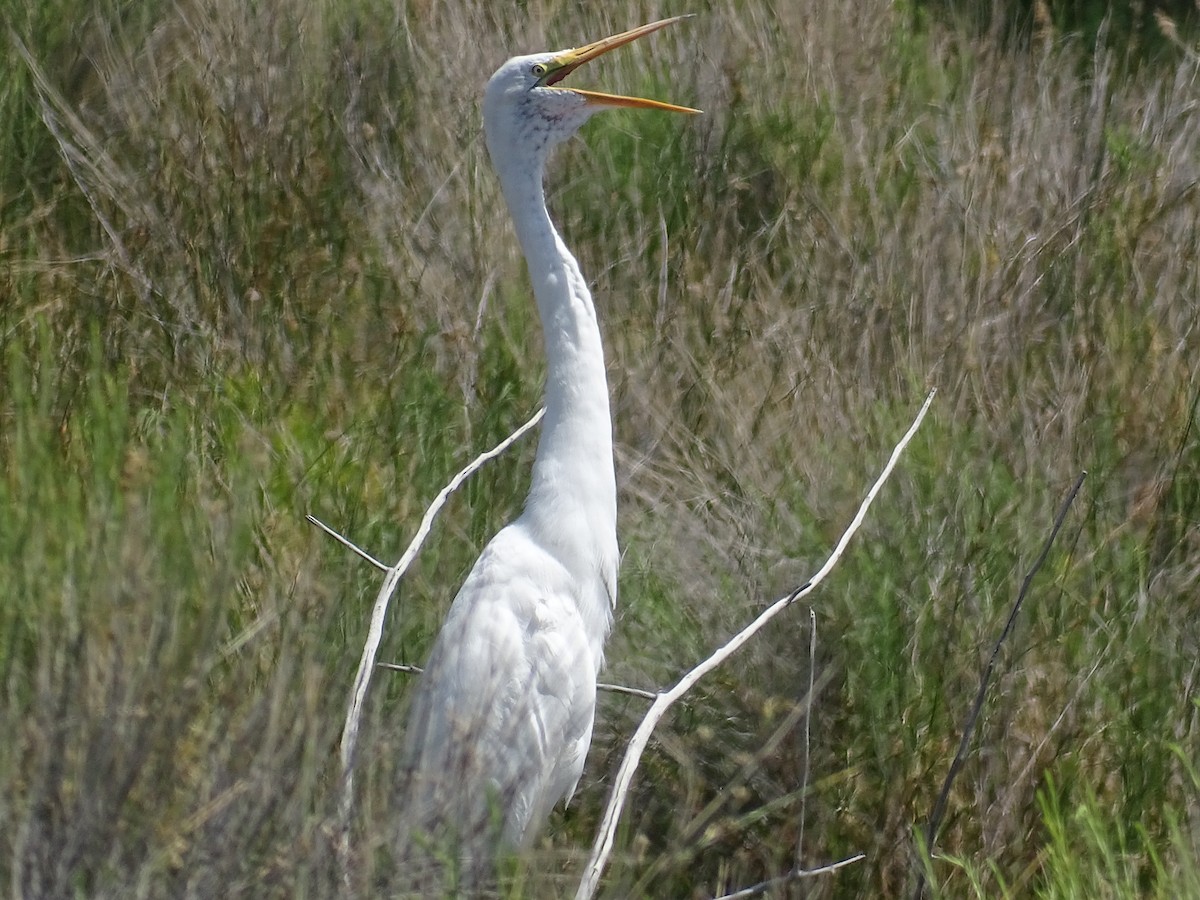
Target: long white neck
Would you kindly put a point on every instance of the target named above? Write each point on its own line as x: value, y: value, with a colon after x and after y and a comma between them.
x: 572, y: 504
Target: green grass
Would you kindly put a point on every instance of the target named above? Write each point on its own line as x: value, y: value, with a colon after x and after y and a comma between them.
x: 253, y: 265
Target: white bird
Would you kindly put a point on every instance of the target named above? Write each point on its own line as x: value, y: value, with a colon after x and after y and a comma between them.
x: 502, y: 717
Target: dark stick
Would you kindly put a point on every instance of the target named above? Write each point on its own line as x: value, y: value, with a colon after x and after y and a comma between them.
x: 939, y: 808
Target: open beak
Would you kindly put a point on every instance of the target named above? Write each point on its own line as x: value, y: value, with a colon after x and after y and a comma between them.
x: 570, y: 60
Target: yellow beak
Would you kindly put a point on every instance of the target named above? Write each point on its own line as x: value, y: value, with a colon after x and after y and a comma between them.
x: 570, y: 60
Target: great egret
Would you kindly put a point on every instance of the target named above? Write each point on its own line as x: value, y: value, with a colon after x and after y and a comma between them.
x: 502, y: 717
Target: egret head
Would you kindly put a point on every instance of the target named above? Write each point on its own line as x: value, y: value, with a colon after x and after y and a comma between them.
x: 526, y: 111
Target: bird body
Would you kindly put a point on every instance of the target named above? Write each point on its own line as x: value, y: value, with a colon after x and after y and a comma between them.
x: 505, y: 734
x: 502, y: 717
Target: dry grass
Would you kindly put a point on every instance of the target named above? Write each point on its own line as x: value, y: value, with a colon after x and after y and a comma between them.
x: 255, y: 265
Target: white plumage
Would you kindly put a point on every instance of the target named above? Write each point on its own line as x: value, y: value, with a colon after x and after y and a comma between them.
x: 502, y: 717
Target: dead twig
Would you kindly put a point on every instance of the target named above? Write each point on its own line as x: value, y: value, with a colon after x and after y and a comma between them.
x: 812, y: 664
x: 762, y: 887
x: 637, y: 744
x: 346, y: 542
x: 366, y: 665
x: 960, y: 757
x: 600, y: 685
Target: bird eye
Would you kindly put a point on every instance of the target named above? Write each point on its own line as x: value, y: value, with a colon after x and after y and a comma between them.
x: 538, y: 70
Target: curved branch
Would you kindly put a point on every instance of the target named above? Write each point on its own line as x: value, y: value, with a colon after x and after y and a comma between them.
x: 366, y: 665
x: 637, y: 744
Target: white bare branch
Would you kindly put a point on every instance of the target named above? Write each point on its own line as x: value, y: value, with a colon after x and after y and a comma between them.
x: 346, y: 542
x: 637, y: 744
x: 409, y: 669
x: 794, y: 875
x: 366, y: 665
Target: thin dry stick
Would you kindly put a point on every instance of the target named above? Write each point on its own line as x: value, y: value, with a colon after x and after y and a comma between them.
x: 600, y: 685
x: 400, y: 667
x: 346, y: 542
x: 812, y: 665
x: 622, y: 689
x: 366, y: 665
x: 637, y: 744
x: 939, y: 807
x: 762, y: 887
